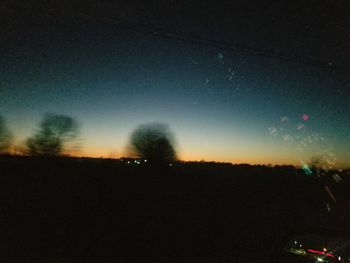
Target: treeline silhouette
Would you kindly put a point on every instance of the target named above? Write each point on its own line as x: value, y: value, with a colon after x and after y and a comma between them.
x: 153, y: 142
x: 119, y: 210
x: 51, y: 138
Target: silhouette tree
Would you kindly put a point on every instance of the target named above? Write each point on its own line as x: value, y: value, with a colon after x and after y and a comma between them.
x: 5, y: 136
x: 153, y: 142
x: 55, y: 131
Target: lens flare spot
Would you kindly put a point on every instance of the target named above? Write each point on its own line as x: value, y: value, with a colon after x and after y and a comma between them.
x: 305, y: 117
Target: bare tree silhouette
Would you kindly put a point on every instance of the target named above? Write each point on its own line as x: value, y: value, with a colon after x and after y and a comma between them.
x: 5, y: 136
x: 55, y: 131
x: 153, y: 142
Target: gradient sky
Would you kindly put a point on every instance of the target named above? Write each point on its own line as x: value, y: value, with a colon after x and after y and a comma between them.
x: 221, y: 105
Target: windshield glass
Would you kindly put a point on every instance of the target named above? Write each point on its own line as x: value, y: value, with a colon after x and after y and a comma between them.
x: 256, y: 92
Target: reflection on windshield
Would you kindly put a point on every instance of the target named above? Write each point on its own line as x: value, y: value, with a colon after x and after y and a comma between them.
x: 161, y: 130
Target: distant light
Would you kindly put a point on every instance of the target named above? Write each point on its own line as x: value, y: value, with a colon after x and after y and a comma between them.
x: 145, y: 161
x: 324, y: 249
x: 295, y: 242
x: 339, y: 258
x: 128, y: 161
x: 320, y: 259
x: 171, y: 164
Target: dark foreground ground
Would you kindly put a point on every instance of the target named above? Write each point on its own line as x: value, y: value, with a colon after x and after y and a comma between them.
x: 72, y: 210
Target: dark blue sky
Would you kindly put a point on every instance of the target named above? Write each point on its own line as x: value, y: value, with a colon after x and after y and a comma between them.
x: 222, y: 105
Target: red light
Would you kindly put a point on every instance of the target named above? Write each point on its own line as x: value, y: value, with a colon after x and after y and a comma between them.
x: 321, y: 253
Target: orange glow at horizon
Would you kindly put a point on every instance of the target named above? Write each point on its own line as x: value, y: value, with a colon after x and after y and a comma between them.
x: 101, y: 153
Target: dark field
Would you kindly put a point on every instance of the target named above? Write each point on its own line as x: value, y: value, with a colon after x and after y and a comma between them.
x: 86, y: 210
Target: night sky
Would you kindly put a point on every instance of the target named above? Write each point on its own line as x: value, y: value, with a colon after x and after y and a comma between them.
x: 222, y: 104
